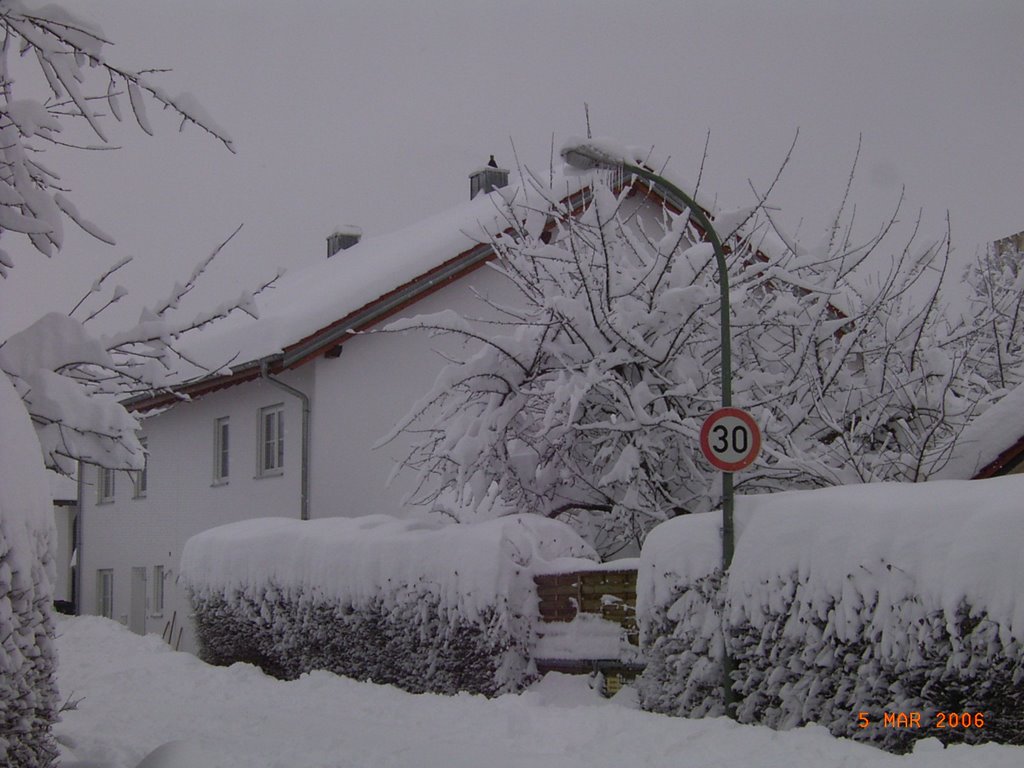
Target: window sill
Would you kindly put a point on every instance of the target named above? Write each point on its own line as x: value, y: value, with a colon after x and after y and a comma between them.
x: 104, y: 502
x: 219, y: 483
x: 269, y: 473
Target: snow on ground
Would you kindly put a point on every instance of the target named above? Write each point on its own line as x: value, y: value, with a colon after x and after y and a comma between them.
x: 138, y: 694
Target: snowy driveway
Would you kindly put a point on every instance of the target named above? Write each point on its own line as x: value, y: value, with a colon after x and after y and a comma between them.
x: 139, y: 694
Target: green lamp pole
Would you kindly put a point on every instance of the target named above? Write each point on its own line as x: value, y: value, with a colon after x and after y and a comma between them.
x: 584, y: 157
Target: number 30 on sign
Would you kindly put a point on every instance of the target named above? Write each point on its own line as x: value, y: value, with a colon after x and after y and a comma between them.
x: 730, y: 439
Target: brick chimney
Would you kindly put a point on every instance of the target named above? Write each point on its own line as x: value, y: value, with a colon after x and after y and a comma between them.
x: 487, y: 179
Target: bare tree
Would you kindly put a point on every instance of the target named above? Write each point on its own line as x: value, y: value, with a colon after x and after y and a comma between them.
x: 586, y: 399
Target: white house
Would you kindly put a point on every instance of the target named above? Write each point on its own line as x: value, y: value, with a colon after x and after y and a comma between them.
x: 286, y: 424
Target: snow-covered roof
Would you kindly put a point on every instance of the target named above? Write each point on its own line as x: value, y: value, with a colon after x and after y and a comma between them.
x: 351, y: 290
x: 307, y: 300
x: 989, y: 442
x: 310, y: 310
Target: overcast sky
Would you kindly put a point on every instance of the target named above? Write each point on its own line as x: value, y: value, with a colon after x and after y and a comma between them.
x: 373, y: 113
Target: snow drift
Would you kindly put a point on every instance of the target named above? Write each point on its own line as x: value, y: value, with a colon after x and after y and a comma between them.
x: 873, y: 598
x: 421, y: 605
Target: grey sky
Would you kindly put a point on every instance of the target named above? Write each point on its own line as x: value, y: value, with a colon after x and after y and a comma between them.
x: 373, y: 113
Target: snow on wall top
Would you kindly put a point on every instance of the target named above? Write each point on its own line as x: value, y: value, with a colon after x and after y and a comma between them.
x: 357, y: 560
x: 945, y: 541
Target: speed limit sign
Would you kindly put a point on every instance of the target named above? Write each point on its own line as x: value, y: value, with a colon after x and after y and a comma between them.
x: 730, y: 439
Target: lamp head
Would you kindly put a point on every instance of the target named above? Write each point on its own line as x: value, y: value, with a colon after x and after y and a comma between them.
x: 584, y: 155
x: 579, y: 158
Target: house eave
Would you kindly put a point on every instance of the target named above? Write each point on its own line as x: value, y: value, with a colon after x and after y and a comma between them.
x: 334, y: 335
x: 1004, y: 463
x: 386, y: 306
x: 325, y: 339
x: 199, y: 387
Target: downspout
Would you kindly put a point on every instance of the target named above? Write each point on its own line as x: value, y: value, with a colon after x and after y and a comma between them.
x: 76, y: 552
x: 304, y: 472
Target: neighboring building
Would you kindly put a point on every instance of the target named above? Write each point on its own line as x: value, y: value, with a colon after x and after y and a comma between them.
x: 992, y: 444
x: 287, y: 424
x: 1011, y: 244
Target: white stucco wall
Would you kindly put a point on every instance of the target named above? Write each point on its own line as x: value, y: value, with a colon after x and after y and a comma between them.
x: 182, y: 498
x: 366, y: 391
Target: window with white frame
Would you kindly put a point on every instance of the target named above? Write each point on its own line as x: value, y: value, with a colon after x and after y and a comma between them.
x: 105, y: 485
x: 140, y: 477
x: 156, y: 607
x: 271, y: 440
x: 105, y: 592
x: 221, y: 450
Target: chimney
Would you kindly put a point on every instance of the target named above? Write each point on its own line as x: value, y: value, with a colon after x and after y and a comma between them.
x: 487, y: 179
x: 342, y: 238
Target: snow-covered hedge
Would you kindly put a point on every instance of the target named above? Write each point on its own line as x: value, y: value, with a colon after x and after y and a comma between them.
x: 884, y: 598
x: 424, y: 606
x: 28, y: 693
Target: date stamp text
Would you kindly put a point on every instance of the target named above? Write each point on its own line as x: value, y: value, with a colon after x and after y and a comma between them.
x: 912, y: 719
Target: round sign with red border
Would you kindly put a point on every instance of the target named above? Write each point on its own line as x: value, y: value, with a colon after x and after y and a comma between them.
x: 730, y: 439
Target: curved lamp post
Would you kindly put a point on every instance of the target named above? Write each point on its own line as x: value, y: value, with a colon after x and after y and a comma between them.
x: 585, y: 156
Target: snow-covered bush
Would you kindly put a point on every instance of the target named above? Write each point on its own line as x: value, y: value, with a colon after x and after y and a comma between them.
x: 884, y: 598
x: 28, y: 694
x: 424, y: 606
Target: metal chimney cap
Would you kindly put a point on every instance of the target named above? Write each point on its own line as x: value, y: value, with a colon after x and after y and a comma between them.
x: 342, y: 238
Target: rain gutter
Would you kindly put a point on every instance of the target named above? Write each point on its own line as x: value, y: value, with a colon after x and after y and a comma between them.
x: 76, y: 552
x: 386, y: 306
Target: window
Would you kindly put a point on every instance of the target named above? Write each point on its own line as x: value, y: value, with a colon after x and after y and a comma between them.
x: 221, y: 449
x: 271, y: 440
x: 156, y: 607
x: 105, y: 592
x: 105, y: 485
x: 140, y: 477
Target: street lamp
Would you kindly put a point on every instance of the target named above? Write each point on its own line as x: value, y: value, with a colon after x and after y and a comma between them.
x: 585, y: 156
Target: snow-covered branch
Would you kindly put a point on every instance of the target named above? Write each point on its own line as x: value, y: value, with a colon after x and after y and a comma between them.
x: 67, y: 53
x: 845, y: 371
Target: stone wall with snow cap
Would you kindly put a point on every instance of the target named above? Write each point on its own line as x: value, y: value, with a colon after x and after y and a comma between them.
x: 875, y: 598
x: 422, y: 605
